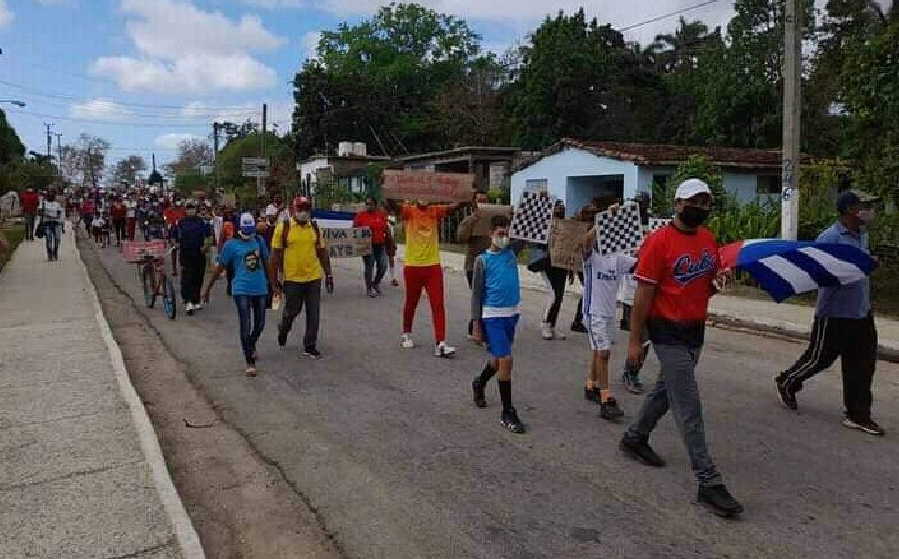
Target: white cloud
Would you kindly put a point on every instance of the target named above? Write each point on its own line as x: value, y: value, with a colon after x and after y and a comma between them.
x: 171, y: 140
x: 6, y: 16
x: 100, y: 109
x: 236, y: 114
x: 183, y: 48
x: 273, y: 4
x: 310, y: 43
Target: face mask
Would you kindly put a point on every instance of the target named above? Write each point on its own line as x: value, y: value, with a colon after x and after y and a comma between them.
x: 500, y: 242
x: 866, y: 216
x: 693, y: 216
x: 190, y: 211
x: 247, y: 231
x: 303, y: 216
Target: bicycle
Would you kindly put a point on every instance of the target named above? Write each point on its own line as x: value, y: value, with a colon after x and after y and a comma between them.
x: 150, y: 260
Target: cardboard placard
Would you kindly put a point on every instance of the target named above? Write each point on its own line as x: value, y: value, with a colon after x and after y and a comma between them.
x: 427, y: 186
x: 565, y: 248
x: 347, y: 242
x: 487, y: 212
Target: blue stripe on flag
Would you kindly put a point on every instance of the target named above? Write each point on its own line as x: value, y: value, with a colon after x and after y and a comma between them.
x: 755, y: 251
x: 850, y: 254
x: 776, y: 286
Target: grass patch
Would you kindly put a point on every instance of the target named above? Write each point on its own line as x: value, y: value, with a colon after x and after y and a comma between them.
x: 14, y: 236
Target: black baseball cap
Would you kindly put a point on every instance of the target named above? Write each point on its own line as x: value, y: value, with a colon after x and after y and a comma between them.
x: 852, y: 198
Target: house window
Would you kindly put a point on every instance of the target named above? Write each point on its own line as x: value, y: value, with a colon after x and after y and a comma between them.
x: 768, y: 184
x: 661, y: 180
x: 536, y: 185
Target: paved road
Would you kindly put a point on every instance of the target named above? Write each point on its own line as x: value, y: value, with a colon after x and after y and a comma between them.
x: 388, y: 447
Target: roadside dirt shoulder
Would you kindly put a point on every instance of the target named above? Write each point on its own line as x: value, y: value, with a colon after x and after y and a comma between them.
x: 240, y: 506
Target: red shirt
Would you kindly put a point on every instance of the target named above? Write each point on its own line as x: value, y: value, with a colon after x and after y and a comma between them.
x: 29, y: 202
x: 376, y: 221
x: 117, y: 211
x: 173, y: 215
x: 682, y: 266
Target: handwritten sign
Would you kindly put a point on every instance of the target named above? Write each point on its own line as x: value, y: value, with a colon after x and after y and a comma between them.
x: 565, y: 249
x: 427, y: 186
x: 347, y: 242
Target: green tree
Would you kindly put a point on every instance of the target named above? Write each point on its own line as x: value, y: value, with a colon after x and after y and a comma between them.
x: 11, y: 147
x: 282, y: 166
x: 376, y: 80
x: 126, y: 170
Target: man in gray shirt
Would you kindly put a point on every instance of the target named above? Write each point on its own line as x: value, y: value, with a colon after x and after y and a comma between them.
x: 843, y: 326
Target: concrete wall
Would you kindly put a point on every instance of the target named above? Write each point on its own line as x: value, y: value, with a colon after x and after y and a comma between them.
x: 556, y: 169
x: 310, y: 167
x: 744, y: 186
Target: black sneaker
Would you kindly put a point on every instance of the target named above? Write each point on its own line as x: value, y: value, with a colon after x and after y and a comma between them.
x: 577, y: 326
x: 639, y: 450
x: 717, y: 499
x: 282, y: 337
x: 866, y: 425
x: 786, y: 393
x: 591, y: 395
x: 609, y: 410
x: 509, y: 420
x: 477, y: 388
x: 312, y: 353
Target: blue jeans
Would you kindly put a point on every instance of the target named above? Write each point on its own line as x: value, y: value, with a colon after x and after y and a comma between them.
x: 375, y: 264
x: 250, y: 331
x: 677, y: 390
x: 51, y: 233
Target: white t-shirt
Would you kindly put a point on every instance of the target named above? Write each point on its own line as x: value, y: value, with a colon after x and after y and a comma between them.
x: 130, y: 208
x: 51, y: 211
x: 602, y: 275
x: 98, y: 222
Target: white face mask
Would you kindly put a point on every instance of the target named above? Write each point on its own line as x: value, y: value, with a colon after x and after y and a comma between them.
x: 500, y: 242
x: 303, y: 216
x: 866, y: 216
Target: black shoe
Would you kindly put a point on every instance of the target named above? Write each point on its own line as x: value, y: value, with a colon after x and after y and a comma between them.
x: 609, y: 410
x: 717, y: 499
x: 639, y: 450
x: 477, y: 389
x: 509, y: 420
x: 282, y: 337
x: 591, y: 395
x: 786, y: 393
x: 312, y: 353
x: 866, y: 425
x: 578, y: 327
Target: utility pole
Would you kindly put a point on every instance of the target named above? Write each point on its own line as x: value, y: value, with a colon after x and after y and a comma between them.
x: 215, y: 158
x: 260, y: 181
x: 792, y: 115
x: 49, y: 138
x: 58, y: 153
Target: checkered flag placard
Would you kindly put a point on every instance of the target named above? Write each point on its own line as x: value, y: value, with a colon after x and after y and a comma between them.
x: 621, y: 232
x: 656, y: 223
x: 533, y: 218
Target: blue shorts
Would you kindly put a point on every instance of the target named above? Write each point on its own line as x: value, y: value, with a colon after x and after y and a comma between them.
x: 499, y: 333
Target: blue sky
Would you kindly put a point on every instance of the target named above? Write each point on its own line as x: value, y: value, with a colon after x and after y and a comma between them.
x: 145, y: 73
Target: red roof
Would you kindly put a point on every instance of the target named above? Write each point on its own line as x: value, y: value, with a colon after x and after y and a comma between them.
x: 662, y: 154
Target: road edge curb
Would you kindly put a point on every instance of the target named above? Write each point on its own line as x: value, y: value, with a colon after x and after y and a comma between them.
x: 188, y: 540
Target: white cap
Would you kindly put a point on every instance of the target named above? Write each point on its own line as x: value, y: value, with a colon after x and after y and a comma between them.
x: 247, y: 220
x: 690, y: 188
x: 271, y: 211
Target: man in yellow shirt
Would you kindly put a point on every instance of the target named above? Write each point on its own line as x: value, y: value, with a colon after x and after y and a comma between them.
x: 422, y: 270
x: 299, y: 255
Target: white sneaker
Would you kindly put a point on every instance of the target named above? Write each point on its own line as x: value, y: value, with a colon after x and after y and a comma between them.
x: 444, y: 350
x: 406, y: 342
x: 189, y: 307
x: 546, y: 331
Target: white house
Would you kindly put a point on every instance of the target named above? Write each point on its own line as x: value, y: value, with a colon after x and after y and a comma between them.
x: 576, y: 171
x: 347, y: 168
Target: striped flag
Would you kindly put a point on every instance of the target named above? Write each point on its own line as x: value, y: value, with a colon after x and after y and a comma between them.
x: 786, y: 268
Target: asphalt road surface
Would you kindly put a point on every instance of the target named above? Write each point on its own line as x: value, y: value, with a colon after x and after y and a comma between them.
x: 387, y: 446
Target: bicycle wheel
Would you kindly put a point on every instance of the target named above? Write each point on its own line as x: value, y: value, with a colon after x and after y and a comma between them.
x: 168, y: 298
x: 147, y: 277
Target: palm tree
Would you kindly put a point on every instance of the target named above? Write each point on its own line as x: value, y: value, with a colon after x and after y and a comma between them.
x: 676, y: 51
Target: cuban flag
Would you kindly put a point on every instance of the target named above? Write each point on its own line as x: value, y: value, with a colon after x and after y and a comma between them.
x: 787, y: 268
x: 333, y: 220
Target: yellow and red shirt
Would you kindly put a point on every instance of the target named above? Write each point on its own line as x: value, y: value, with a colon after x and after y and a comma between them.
x: 422, y: 226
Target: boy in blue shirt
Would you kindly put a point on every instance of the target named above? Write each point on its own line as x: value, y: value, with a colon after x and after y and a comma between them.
x: 495, y: 299
x: 247, y: 255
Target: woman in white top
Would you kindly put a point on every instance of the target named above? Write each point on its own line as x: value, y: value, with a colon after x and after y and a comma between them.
x: 52, y: 221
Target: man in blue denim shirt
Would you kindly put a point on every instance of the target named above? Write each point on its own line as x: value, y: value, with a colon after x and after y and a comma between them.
x: 843, y: 326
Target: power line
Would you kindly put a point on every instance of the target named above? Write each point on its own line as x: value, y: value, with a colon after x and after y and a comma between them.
x: 110, y: 122
x: 666, y: 16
